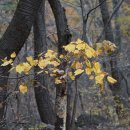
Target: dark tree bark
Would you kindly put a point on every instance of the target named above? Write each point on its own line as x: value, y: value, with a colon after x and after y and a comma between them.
x: 117, y: 26
x: 115, y: 72
x: 105, y: 17
x: 110, y: 37
x: 14, y: 38
x: 43, y: 100
x: 63, y: 39
x: 85, y: 36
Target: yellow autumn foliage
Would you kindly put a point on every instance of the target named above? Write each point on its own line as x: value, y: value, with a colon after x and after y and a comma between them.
x: 111, y: 80
x: 13, y: 55
x: 78, y: 72
x: 23, y: 89
x: 80, y: 57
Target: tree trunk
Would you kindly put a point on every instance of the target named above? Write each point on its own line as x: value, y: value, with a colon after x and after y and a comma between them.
x: 116, y: 88
x: 117, y: 26
x: 14, y: 38
x: 43, y: 100
x: 63, y: 39
x: 105, y: 17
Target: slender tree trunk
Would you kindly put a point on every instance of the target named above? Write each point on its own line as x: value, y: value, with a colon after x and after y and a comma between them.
x: 72, y: 125
x: 117, y: 30
x: 85, y: 36
x: 14, y: 38
x: 63, y: 39
x: 105, y: 17
x: 116, y: 88
x: 69, y: 105
x: 43, y: 100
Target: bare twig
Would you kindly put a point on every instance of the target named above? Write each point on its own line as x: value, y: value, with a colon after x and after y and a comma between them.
x: 115, y: 10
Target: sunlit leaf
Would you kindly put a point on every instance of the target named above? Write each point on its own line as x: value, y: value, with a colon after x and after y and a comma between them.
x: 80, y: 46
x: 23, y: 89
x: 88, y: 71
x: 78, y: 72
x: 54, y: 63
x: 31, y: 61
x: 20, y: 68
x: 23, y: 67
x: 7, y: 62
x: 91, y: 77
x: 58, y: 81
x: 13, y: 55
x: 70, y: 74
x: 78, y: 65
x: 111, y: 80
x: 51, y: 54
x: 99, y: 78
x: 61, y: 56
x: 69, y: 48
x: 27, y: 67
x: 97, y: 67
x: 88, y: 64
x: 42, y: 63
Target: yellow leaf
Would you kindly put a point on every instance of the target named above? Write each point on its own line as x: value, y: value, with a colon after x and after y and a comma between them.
x: 76, y: 52
x: 109, y: 46
x: 99, y: 78
x: 78, y: 72
x: 31, y: 61
x: 97, y: 67
x: 51, y: 54
x: 7, y: 62
x: 20, y: 68
x: 58, y: 81
x: 23, y: 89
x: 73, y: 65
x: 55, y: 70
x: 88, y: 63
x: 91, y: 77
x: 23, y: 67
x: 54, y: 63
x: 27, y: 67
x: 90, y: 52
x: 81, y: 46
x: 98, y: 52
x: 61, y: 56
x: 111, y: 80
x: 78, y: 65
x: 43, y: 63
x: 79, y: 41
x: 69, y: 48
x: 99, y: 45
x: 88, y: 71
x: 13, y: 55
x: 70, y: 74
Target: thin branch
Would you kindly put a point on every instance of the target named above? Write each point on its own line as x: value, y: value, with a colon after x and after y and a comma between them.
x: 87, y: 15
x: 85, y: 19
x: 114, y: 12
x: 15, y: 77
